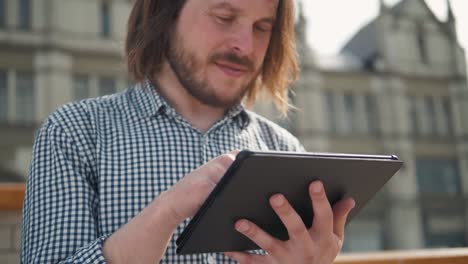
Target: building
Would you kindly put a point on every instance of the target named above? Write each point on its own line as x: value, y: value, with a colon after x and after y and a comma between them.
x: 399, y: 86
x: 53, y: 52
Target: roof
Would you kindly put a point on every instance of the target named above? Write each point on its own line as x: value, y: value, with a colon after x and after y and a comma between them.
x: 363, y: 45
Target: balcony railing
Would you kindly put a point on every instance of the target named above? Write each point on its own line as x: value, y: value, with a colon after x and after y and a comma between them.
x: 11, y: 199
x: 427, y: 256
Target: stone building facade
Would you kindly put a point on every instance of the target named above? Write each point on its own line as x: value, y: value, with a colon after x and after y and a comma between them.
x: 398, y: 86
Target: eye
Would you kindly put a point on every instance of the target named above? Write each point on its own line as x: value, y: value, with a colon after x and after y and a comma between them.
x: 264, y: 27
x: 224, y: 19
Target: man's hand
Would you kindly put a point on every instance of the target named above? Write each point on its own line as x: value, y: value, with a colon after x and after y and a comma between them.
x: 320, y: 244
x: 145, y: 237
x: 186, y: 196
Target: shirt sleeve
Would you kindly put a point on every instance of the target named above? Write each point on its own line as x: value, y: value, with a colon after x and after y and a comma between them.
x: 60, y: 207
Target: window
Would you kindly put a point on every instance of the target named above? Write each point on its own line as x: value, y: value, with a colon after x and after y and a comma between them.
x: 422, y: 45
x: 430, y: 113
x: 350, y: 113
x: 414, y: 117
x: 448, y: 121
x: 364, y: 235
x: 24, y: 15
x: 372, y: 113
x: 3, y: 96
x: 105, y: 20
x: 331, y: 112
x: 80, y: 87
x: 2, y: 13
x: 442, y: 206
x: 106, y: 86
x: 25, y: 106
x: 444, y: 228
x: 438, y: 176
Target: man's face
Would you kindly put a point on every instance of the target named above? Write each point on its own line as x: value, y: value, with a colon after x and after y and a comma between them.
x: 218, y: 47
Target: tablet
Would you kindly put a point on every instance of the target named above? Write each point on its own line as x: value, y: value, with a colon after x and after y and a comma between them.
x: 254, y: 177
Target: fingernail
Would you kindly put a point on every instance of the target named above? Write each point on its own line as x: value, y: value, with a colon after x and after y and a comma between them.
x: 242, y: 226
x: 232, y: 156
x: 277, y: 200
x: 316, y: 187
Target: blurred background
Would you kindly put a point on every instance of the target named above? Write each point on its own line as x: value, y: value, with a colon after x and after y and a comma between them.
x: 377, y: 77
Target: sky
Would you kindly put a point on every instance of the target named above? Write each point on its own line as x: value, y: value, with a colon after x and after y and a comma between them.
x: 333, y: 22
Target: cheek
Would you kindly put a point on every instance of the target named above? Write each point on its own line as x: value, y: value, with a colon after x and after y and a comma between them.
x: 197, y: 36
x: 263, y: 47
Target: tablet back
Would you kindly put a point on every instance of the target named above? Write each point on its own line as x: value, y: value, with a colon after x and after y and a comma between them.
x: 246, y: 187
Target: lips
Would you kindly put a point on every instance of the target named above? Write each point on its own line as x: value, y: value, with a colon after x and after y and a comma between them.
x: 232, y: 70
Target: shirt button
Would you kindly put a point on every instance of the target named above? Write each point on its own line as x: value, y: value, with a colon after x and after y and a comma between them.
x: 211, y: 260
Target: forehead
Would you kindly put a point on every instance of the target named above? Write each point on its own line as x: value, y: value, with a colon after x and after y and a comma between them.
x: 253, y: 7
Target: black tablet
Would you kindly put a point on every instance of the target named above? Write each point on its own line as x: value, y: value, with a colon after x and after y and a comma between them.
x: 254, y: 177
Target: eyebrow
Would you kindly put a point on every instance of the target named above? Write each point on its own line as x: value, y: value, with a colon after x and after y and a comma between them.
x: 226, y: 5
x: 231, y: 8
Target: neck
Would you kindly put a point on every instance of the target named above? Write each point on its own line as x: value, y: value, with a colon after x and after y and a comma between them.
x: 199, y: 115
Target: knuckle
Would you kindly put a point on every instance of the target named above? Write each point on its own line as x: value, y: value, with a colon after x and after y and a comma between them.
x: 339, y: 245
x: 204, y: 185
x: 324, y: 212
x: 217, y: 169
x: 270, y: 246
x: 297, y: 229
x: 333, y: 246
x: 328, y: 213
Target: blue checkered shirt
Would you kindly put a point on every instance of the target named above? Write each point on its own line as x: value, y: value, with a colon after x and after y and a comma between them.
x: 98, y: 162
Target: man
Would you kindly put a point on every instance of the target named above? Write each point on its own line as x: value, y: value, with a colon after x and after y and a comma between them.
x: 114, y: 179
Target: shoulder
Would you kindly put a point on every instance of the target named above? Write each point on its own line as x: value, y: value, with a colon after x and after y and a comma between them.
x: 278, y: 137
x: 83, y: 120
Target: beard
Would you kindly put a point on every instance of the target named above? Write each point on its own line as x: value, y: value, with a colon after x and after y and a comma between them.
x: 189, y: 71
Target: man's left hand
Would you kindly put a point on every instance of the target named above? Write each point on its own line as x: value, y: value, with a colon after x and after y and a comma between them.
x: 318, y: 245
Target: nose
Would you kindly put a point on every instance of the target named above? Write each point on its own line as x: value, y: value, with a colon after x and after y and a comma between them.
x: 243, y: 41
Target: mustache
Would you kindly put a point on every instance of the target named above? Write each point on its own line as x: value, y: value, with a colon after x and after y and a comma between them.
x: 233, y: 58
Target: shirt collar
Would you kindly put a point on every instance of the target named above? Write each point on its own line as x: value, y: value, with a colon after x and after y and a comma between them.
x: 146, y: 99
x: 150, y: 103
x: 239, y: 115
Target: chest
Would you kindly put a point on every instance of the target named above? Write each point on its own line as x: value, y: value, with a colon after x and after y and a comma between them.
x: 136, y: 162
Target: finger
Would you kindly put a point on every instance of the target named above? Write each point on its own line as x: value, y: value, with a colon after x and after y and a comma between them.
x: 340, y: 213
x: 245, y: 257
x: 259, y: 237
x: 226, y: 159
x: 323, y: 214
x: 290, y: 218
x: 218, y: 167
x: 234, y: 152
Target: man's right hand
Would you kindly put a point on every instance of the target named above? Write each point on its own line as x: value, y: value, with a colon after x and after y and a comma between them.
x: 185, y: 198
x: 145, y: 237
